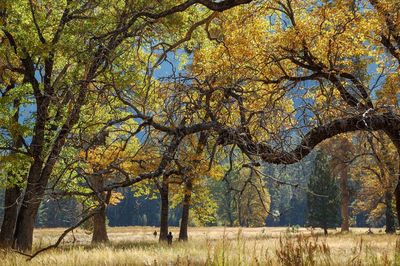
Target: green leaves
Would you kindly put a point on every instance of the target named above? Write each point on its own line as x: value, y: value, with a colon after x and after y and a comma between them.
x: 323, y: 198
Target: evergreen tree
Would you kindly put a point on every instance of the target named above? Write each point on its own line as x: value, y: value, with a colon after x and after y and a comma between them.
x: 296, y: 212
x: 323, y: 201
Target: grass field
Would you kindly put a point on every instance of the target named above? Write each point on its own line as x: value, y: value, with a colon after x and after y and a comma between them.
x: 216, y: 246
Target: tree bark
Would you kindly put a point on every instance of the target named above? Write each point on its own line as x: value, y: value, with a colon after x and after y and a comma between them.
x: 11, y: 197
x: 164, y: 190
x: 99, y: 226
x: 99, y: 219
x: 183, y: 231
x: 397, y: 198
x: 387, y: 122
x: 34, y: 193
x: 394, y: 135
x: 390, y: 227
x: 345, y: 198
x: 23, y: 236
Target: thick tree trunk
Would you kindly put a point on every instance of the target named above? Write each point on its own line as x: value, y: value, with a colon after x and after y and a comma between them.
x: 395, y: 137
x: 397, y: 189
x: 183, y: 231
x: 390, y: 227
x: 33, y: 196
x: 24, y: 227
x: 99, y: 226
x: 99, y: 219
x: 345, y: 198
x: 37, y: 179
x: 41, y: 170
x: 397, y: 198
x: 11, y: 197
x: 164, y: 210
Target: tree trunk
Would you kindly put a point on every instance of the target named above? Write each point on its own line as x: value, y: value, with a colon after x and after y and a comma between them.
x: 395, y: 137
x: 230, y: 216
x: 11, y: 197
x: 99, y: 219
x: 23, y: 236
x: 41, y: 170
x: 397, y: 189
x: 99, y: 226
x: 37, y: 181
x: 397, y: 198
x: 34, y: 193
x: 325, y: 231
x: 345, y: 198
x: 164, y: 209
x: 390, y: 227
x: 183, y: 232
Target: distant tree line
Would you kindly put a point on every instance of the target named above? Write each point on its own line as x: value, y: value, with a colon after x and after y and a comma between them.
x: 313, y: 200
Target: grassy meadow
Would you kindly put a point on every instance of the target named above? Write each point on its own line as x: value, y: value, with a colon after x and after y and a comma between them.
x: 216, y: 246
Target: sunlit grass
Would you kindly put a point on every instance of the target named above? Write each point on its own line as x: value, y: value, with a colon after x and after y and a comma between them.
x: 215, y: 246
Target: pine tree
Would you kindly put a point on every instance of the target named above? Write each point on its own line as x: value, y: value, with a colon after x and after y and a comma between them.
x: 323, y: 199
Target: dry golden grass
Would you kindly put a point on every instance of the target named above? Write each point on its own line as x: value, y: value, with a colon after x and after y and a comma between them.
x: 215, y: 246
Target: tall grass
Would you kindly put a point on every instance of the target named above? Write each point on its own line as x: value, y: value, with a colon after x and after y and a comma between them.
x: 218, y: 246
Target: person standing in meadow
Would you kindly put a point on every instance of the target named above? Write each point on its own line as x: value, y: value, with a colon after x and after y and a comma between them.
x: 169, y: 238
